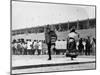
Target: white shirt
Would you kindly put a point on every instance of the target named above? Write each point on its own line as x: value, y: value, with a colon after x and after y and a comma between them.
x: 24, y: 45
x: 15, y: 45
x: 73, y: 35
x: 84, y: 43
x: 35, y: 43
x: 40, y: 45
x: 29, y: 45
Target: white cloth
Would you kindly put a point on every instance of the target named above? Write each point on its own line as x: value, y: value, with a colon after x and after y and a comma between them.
x: 61, y: 44
x: 64, y: 45
x: 57, y: 44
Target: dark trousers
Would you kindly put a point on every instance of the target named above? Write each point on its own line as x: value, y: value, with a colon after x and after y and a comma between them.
x: 87, y: 52
x: 38, y: 51
x: 49, y: 50
x: 19, y: 51
x: 33, y: 51
x: 25, y: 51
x: 81, y: 49
x: 29, y: 51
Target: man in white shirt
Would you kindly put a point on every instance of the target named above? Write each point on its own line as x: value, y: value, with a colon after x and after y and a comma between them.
x: 29, y: 43
x: 36, y: 47
x: 40, y: 47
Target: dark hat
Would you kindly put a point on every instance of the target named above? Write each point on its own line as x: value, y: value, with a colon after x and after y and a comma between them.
x: 72, y: 30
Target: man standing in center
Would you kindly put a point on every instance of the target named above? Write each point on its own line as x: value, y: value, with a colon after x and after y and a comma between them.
x: 50, y: 38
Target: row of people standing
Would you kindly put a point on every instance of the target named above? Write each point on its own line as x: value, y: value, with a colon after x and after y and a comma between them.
x: 84, y: 46
x: 28, y: 47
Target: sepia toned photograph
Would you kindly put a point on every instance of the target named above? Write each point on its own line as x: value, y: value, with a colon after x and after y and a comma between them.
x: 52, y: 37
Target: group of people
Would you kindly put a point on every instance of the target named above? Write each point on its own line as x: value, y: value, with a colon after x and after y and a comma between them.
x: 28, y: 47
x: 86, y: 46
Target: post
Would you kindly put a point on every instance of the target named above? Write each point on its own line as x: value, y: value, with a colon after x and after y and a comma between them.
x: 88, y: 23
x: 77, y: 24
x: 68, y: 24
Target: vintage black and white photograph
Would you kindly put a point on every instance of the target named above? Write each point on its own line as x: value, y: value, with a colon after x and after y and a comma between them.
x: 52, y: 37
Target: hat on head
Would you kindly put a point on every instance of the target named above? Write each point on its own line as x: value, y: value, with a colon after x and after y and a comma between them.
x: 72, y: 30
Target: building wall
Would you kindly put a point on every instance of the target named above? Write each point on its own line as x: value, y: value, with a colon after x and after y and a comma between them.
x: 32, y: 36
x: 61, y: 35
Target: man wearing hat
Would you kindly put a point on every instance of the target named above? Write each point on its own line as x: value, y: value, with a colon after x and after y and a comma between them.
x: 50, y: 39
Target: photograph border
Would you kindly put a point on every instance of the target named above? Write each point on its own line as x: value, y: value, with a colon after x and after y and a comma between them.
x: 58, y: 4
